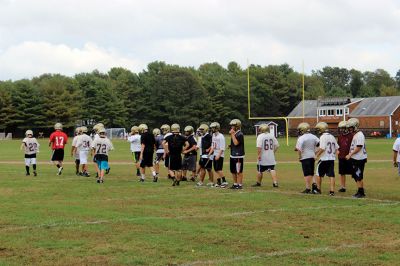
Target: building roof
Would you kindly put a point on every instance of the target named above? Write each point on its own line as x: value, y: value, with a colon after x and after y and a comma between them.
x: 265, y: 122
x: 377, y: 106
x: 310, y: 109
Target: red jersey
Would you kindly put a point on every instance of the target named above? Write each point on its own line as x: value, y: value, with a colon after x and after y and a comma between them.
x: 344, y: 142
x: 58, y: 140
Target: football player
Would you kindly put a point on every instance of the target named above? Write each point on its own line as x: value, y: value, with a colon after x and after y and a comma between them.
x: 134, y: 140
x: 237, y: 154
x: 159, y: 149
x: 57, y: 142
x: 165, y: 130
x: 100, y: 148
x: 218, y: 150
x: 96, y: 136
x: 396, y: 154
x: 74, y: 150
x: 357, y: 155
x: 175, y: 144
x: 305, y: 147
x: 206, y: 160
x: 267, y: 145
x: 83, y: 145
x: 147, y: 141
x: 344, y: 141
x: 326, y: 152
x: 190, y: 155
x: 30, y: 146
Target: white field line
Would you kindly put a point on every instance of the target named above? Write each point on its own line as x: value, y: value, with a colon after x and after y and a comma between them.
x: 327, y: 249
x: 6, y: 227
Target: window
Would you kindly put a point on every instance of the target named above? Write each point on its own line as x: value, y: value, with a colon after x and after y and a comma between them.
x: 346, y: 111
x: 381, y: 123
x: 331, y: 112
x: 322, y: 112
x: 339, y: 112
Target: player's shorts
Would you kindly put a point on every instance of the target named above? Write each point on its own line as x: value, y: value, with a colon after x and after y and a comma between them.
x: 218, y: 164
x: 205, y: 163
x: 189, y: 162
x: 326, y: 168
x: 136, y: 156
x: 263, y: 168
x: 30, y: 159
x: 308, y: 166
x: 83, y: 155
x: 159, y: 157
x: 58, y: 155
x: 103, y: 165
x: 147, y: 160
x: 175, y: 162
x: 345, y: 167
x: 236, y: 165
x: 358, y: 169
x: 166, y: 161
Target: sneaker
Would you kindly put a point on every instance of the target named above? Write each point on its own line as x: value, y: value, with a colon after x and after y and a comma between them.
x: 314, y: 186
x: 34, y: 173
x: 60, y: 171
x: 256, y: 185
x: 216, y: 185
x: 184, y: 178
x: 199, y: 184
x: 175, y: 183
x: 27, y: 174
x: 108, y: 170
x: 225, y: 184
x: 77, y: 172
x: 102, y: 181
x: 155, y: 178
x: 98, y: 180
x: 306, y: 191
x: 316, y: 191
x: 359, y: 195
x: 234, y: 187
x: 342, y: 190
x: 275, y: 185
x: 86, y: 174
x: 193, y: 179
x: 331, y: 193
x: 210, y: 184
x: 239, y: 187
x: 141, y: 179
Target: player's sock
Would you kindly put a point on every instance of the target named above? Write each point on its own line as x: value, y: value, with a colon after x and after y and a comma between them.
x: 154, y: 173
x: 223, y: 179
x: 58, y: 166
x: 27, y: 170
x: 34, y: 167
x: 219, y: 181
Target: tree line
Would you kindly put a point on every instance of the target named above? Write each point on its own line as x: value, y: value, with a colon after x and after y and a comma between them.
x: 164, y: 93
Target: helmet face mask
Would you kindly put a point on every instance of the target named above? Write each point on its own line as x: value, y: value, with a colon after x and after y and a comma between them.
x: 188, y: 130
x: 321, y: 127
x: 236, y: 124
x: 134, y: 130
x: 353, y: 124
x: 29, y: 133
x: 215, y: 127
x: 342, y: 128
x: 203, y: 129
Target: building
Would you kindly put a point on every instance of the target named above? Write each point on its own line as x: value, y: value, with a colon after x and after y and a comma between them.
x: 377, y: 115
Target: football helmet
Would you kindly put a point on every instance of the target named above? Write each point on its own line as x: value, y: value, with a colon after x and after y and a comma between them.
x: 134, y: 130
x: 77, y: 130
x: 101, y: 130
x: 203, y: 127
x: 353, y: 123
x: 342, y: 127
x: 29, y: 132
x: 58, y: 126
x: 156, y: 132
x: 215, y: 126
x: 143, y: 128
x: 263, y: 128
x: 97, y: 127
x: 303, y: 128
x: 236, y: 123
x: 165, y: 129
x: 84, y: 129
x: 189, y: 130
x: 321, y: 127
x: 175, y: 128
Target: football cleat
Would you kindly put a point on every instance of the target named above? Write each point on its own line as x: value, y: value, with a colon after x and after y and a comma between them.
x: 306, y: 191
x: 155, y: 178
x: 316, y: 191
x: 60, y: 171
x: 256, y: 185
x: 34, y: 173
x: 108, y: 170
x: 141, y: 179
x: 234, y: 186
x: 342, y: 190
x: 199, y: 184
x: 98, y: 180
x: 275, y: 185
x: 331, y: 193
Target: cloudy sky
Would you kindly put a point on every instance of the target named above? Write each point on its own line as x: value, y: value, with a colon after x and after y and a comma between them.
x: 68, y: 37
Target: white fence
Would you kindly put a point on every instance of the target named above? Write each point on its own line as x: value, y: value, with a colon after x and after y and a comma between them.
x: 116, y: 133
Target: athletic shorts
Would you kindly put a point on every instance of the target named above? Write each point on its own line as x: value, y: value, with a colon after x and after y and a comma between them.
x: 308, y: 166
x: 218, y: 164
x: 166, y: 161
x: 58, y: 155
x: 263, y: 168
x: 136, y: 156
x: 189, y: 162
x: 345, y: 167
x: 103, y: 165
x: 358, y: 169
x: 30, y: 159
x: 147, y: 160
x: 205, y: 163
x: 175, y: 162
x: 83, y: 155
x: 326, y: 168
x: 236, y: 165
x: 159, y: 157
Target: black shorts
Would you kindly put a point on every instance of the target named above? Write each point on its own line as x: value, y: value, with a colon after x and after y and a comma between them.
x: 218, y: 164
x: 30, y: 156
x: 308, y: 166
x: 58, y: 155
x: 205, y: 163
x: 136, y: 156
x: 236, y: 165
x: 175, y: 162
x: 159, y: 157
x: 189, y: 162
x: 326, y: 168
x: 166, y: 161
x: 100, y: 157
x: 147, y: 160
x: 358, y: 169
x: 345, y: 167
x: 263, y: 168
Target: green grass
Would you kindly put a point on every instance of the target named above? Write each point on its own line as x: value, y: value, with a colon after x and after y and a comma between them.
x: 70, y: 220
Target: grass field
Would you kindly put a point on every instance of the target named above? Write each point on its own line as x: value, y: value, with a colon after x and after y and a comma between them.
x: 70, y: 220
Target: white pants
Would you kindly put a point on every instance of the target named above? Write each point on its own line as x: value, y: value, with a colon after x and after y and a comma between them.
x: 83, y: 157
x: 29, y: 161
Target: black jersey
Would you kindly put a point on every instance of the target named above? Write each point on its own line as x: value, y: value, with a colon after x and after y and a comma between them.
x: 148, y: 140
x: 175, y: 143
x: 237, y: 151
x: 192, y: 141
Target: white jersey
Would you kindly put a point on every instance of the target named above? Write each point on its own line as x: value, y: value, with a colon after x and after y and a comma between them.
x: 84, y: 143
x: 268, y: 144
x: 96, y: 136
x: 307, y: 144
x: 102, y: 146
x: 74, y: 141
x: 31, y: 145
x: 358, y: 140
x: 218, y: 143
x: 328, y: 143
x: 135, y: 143
x: 396, y: 148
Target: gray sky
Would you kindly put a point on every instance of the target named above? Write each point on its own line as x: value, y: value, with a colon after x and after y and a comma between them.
x: 68, y: 37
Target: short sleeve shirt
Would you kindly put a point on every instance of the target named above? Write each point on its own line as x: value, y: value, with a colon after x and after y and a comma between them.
x: 102, y: 146
x: 148, y: 140
x: 218, y: 142
x: 359, y: 141
x: 268, y: 144
x: 31, y: 145
x: 135, y: 143
x: 328, y: 143
x: 307, y: 144
x: 58, y: 140
x: 176, y: 143
x: 237, y: 151
x: 396, y: 148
